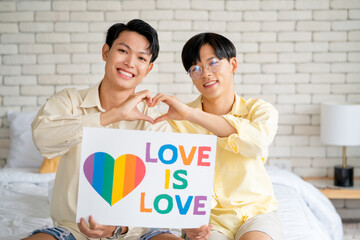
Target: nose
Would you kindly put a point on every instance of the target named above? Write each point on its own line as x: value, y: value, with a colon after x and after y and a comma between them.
x: 130, y: 60
x: 205, y: 72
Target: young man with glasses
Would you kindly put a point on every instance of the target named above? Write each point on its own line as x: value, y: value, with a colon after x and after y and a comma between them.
x: 243, y: 202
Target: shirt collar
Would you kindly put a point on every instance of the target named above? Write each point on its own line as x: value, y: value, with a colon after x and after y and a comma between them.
x: 238, y: 109
x: 92, y: 98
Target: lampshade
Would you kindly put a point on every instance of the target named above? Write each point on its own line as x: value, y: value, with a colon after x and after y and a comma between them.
x: 340, y: 123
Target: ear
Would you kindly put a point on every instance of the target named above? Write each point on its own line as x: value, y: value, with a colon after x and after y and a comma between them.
x: 233, y: 63
x: 105, y: 51
x: 149, y: 68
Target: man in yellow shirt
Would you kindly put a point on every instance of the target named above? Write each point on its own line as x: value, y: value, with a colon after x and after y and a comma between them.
x: 243, y: 202
x: 129, y: 53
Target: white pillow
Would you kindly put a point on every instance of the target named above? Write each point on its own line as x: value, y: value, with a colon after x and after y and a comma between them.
x: 23, y: 153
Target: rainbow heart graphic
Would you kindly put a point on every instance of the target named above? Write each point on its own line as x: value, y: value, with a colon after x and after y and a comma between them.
x: 114, y: 179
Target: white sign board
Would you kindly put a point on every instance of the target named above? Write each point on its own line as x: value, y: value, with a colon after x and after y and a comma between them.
x: 146, y: 179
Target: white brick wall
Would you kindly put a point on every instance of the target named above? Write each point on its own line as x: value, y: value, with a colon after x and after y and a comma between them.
x: 295, y: 54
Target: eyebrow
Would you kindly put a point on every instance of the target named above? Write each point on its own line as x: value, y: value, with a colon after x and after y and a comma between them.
x: 196, y: 63
x: 210, y: 58
x: 141, y: 52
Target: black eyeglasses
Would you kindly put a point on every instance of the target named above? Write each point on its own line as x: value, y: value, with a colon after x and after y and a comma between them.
x: 213, y: 66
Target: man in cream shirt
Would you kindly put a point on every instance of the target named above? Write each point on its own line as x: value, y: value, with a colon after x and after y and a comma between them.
x: 129, y: 53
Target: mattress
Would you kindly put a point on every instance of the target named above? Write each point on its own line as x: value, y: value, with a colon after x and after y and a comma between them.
x: 306, y: 213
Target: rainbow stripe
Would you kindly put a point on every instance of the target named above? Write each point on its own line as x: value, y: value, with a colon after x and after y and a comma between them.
x: 113, y: 179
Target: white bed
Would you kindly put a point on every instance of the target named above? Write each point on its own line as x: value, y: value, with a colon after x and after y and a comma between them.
x: 306, y: 213
x: 24, y: 202
x: 24, y: 194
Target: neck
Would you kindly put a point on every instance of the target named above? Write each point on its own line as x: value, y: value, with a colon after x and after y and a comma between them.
x: 218, y: 106
x: 111, y: 97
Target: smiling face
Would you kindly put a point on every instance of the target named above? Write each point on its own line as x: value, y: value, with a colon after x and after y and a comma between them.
x: 218, y: 84
x: 127, y: 61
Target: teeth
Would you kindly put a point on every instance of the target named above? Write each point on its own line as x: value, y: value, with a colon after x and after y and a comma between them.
x: 125, y: 73
x: 209, y: 83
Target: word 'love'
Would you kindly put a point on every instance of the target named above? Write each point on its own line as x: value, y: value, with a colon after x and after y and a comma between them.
x: 174, y: 151
x: 169, y: 205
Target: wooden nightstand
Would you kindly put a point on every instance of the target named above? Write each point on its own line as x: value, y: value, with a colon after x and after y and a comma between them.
x: 327, y: 187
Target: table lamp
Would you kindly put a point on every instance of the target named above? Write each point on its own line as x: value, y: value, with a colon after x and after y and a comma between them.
x: 340, y: 126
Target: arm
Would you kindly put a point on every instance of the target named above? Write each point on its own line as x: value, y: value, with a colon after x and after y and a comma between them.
x: 249, y: 135
x: 59, y: 123
x: 214, y: 123
x: 180, y: 111
x: 255, y: 130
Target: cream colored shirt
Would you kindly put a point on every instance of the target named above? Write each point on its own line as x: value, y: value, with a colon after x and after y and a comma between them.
x: 57, y: 130
x: 242, y: 188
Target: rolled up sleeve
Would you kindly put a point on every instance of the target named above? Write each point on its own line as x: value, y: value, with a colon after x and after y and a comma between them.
x: 58, y: 127
x: 254, y: 132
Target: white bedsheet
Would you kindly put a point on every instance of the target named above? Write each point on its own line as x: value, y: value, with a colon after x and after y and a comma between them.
x: 306, y: 213
x: 24, y: 204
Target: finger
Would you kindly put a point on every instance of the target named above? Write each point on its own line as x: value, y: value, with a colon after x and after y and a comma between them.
x: 82, y: 224
x: 207, y: 235
x: 201, y: 235
x: 145, y: 95
x: 165, y: 99
x: 157, y: 99
x: 161, y: 118
x: 148, y: 102
x: 146, y: 118
x: 154, y: 102
x: 203, y: 231
x: 138, y: 97
x: 193, y: 233
x: 95, y: 229
x: 204, y: 227
x: 92, y: 222
x: 84, y: 228
x: 158, y: 96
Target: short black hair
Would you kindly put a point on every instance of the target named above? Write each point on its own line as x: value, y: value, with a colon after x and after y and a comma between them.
x: 223, y: 47
x: 139, y: 26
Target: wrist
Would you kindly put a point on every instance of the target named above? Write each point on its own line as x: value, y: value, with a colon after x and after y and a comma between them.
x: 192, y: 114
x: 117, y: 232
x: 108, y: 117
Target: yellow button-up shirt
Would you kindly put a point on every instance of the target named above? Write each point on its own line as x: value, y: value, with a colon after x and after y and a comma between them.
x: 57, y: 130
x: 242, y: 188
